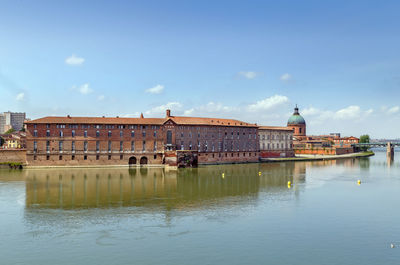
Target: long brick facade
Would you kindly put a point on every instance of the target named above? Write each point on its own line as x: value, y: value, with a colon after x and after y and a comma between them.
x: 173, y: 140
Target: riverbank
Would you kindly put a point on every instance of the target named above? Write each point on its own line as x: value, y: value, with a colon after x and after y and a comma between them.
x: 318, y: 157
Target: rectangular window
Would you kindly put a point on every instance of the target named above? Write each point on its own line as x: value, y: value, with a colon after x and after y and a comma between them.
x: 121, y: 133
x: 60, y: 158
x: 155, y: 133
x: 48, y: 126
x: 121, y: 146
x: 97, y: 146
x: 155, y: 146
x: 85, y: 134
x: 35, y: 133
x: 97, y: 157
x: 35, y: 146
x: 144, y: 146
x: 144, y: 134
x: 109, y: 146
x: 85, y: 157
x: 182, y: 145
x: 109, y: 157
x: 61, y: 134
x: 85, y: 146
x: 73, y: 133
x: 60, y: 146
x: 48, y: 133
x: 48, y: 146
x: 47, y: 157
x: 132, y: 146
x: 73, y: 146
x: 132, y: 134
x: 73, y: 157
x: 97, y: 133
x: 109, y: 133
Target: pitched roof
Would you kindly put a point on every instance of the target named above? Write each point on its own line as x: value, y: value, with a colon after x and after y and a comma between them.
x: 179, y: 120
x: 275, y: 128
x: 97, y: 120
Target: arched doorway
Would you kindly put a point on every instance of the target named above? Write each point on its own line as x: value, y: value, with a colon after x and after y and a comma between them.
x: 132, y: 160
x: 143, y: 160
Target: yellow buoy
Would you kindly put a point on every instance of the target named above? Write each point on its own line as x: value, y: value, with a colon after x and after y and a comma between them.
x: 259, y: 173
x: 223, y: 175
x: 289, y: 186
x: 289, y: 183
x: 358, y: 182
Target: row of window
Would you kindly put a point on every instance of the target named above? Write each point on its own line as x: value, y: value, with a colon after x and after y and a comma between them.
x: 275, y: 137
x: 231, y: 136
x: 282, y: 146
x: 100, y: 126
x: 205, y: 146
x: 85, y: 133
x: 85, y: 146
x: 85, y: 157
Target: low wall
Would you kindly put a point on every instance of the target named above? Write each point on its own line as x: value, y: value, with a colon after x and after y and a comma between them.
x: 277, y: 153
x: 325, y: 151
x: 13, y: 155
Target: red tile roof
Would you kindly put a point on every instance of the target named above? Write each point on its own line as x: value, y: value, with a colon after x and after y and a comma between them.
x: 180, y: 120
x: 275, y: 128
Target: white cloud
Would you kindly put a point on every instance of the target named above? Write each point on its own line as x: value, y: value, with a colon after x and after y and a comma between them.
x: 155, y: 90
x: 101, y: 97
x: 268, y: 103
x: 74, y: 60
x: 85, y: 89
x: 311, y: 111
x: 393, y: 110
x: 351, y: 112
x: 248, y: 75
x: 159, y: 111
x: 286, y: 77
x: 20, y: 96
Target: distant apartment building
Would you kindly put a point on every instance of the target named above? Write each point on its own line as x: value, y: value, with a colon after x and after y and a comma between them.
x: 14, y: 120
x: 275, y: 141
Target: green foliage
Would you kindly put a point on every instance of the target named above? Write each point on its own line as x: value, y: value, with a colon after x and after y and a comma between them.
x: 1, y: 141
x: 22, y: 130
x: 364, y: 138
x: 13, y: 165
x: 10, y: 131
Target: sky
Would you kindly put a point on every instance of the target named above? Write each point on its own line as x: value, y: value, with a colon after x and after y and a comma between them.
x: 250, y: 60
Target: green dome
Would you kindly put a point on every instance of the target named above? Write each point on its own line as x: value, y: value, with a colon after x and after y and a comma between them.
x: 296, y: 118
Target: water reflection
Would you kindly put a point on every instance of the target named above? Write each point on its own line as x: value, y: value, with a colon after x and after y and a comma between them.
x: 76, y: 188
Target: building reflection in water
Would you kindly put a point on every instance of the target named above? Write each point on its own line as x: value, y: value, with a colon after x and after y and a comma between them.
x: 88, y: 188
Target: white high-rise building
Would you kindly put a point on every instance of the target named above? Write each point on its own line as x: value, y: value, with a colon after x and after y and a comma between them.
x: 10, y: 120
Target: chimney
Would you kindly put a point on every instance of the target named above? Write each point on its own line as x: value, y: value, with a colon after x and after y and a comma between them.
x: 141, y: 115
x: 68, y: 116
x: 168, y: 113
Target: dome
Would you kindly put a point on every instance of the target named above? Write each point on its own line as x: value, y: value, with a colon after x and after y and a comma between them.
x: 296, y: 118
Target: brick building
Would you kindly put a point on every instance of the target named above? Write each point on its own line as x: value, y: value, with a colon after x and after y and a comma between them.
x: 275, y: 141
x: 173, y: 140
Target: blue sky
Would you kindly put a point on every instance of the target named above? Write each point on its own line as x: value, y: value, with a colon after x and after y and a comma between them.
x: 250, y: 60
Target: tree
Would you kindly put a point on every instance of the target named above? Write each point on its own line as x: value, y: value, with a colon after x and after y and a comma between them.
x: 10, y: 131
x: 364, y: 139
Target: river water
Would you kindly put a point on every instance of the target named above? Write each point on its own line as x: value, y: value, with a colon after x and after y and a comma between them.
x: 198, y: 216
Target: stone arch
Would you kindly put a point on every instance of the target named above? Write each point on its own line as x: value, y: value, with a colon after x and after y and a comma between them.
x: 143, y: 160
x: 132, y: 160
